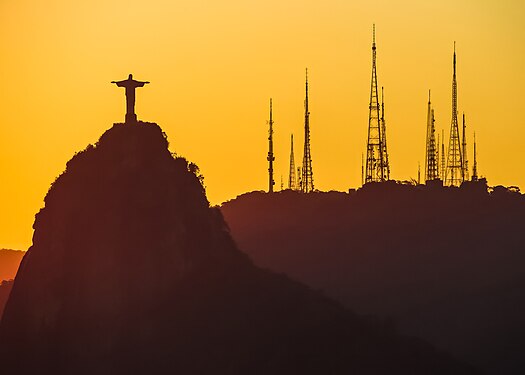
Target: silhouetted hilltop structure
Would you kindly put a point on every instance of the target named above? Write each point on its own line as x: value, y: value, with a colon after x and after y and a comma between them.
x: 131, y: 272
x: 5, y: 289
x: 446, y: 264
x: 9, y: 262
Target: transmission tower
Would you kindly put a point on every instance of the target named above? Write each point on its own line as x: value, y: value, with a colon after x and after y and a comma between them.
x: 431, y: 164
x: 270, y: 157
x: 291, y: 176
x: 464, y: 150
x: 383, y: 138
x: 475, y: 164
x: 454, y: 174
x: 362, y: 169
x: 437, y: 150
x: 376, y: 167
x: 307, y: 181
x: 443, y: 165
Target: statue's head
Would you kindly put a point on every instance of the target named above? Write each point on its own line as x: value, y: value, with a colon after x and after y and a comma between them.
x: 130, y: 76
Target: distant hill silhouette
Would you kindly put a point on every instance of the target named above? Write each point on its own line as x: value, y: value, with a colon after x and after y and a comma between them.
x: 9, y: 261
x: 5, y: 289
x: 445, y: 264
x: 131, y: 272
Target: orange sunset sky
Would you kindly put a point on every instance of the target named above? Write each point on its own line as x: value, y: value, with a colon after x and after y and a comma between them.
x: 213, y: 65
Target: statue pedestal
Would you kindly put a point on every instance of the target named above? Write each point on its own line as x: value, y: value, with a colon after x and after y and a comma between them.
x: 131, y: 118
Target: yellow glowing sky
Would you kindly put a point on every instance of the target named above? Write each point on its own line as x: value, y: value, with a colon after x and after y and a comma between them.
x: 213, y: 65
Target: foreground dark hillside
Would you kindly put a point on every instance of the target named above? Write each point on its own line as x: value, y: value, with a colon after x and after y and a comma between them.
x: 9, y: 262
x: 443, y: 264
x: 5, y: 289
x: 131, y: 272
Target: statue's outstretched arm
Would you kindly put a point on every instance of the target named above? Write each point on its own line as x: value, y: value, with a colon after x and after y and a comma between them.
x: 119, y: 83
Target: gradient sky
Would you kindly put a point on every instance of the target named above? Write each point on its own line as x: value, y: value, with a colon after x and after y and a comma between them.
x: 213, y: 65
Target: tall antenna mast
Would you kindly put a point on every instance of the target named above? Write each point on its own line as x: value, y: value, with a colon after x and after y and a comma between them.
x: 383, y: 138
x: 443, y: 165
x: 375, y: 161
x: 307, y: 181
x: 475, y: 165
x: 431, y: 164
x: 362, y: 169
x: 291, y: 176
x: 437, y: 152
x: 454, y: 174
x: 464, y: 151
x: 270, y: 157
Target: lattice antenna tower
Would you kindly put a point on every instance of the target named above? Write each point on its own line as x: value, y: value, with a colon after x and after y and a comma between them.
x: 307, y: 181
x: 291, y: 176
x: 383, y: 138
x: 443, y: 165
x: 454, y: 174
x: 475, y: 164
x: 431, y: 164
x: 271, y: 157
x: 375, y: 162
x: 362, y: 169
x: 437, y: 152
x: 464, y: 151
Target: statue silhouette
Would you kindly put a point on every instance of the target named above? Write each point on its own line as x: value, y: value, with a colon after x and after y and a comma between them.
x: 130, y: 84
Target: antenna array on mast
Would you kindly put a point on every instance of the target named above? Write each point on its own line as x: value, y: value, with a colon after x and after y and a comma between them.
x: 270, y: 157
x: 431, y: 164
x: 454, y: 173
x: 377, y: 169
x: 307, y: 180
x: 291, y: 177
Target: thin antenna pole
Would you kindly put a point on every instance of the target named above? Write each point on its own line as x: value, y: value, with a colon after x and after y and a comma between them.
x: 464, y: 150
x: 292, y: 172
x: 270, y: 157
x: 386, y: 164
x: 443, y: 165
x: 437, y: 154
x: 431, y: 163
x: 475, y: 165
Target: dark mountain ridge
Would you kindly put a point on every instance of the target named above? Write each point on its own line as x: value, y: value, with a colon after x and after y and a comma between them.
x: 131, y: 272
x: 444, y: 264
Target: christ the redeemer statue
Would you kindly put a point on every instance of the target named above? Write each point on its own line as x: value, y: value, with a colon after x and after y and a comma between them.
x: 130, y: 84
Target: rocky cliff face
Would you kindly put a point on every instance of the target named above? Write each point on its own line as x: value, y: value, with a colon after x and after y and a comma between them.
x: 131, y: 272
